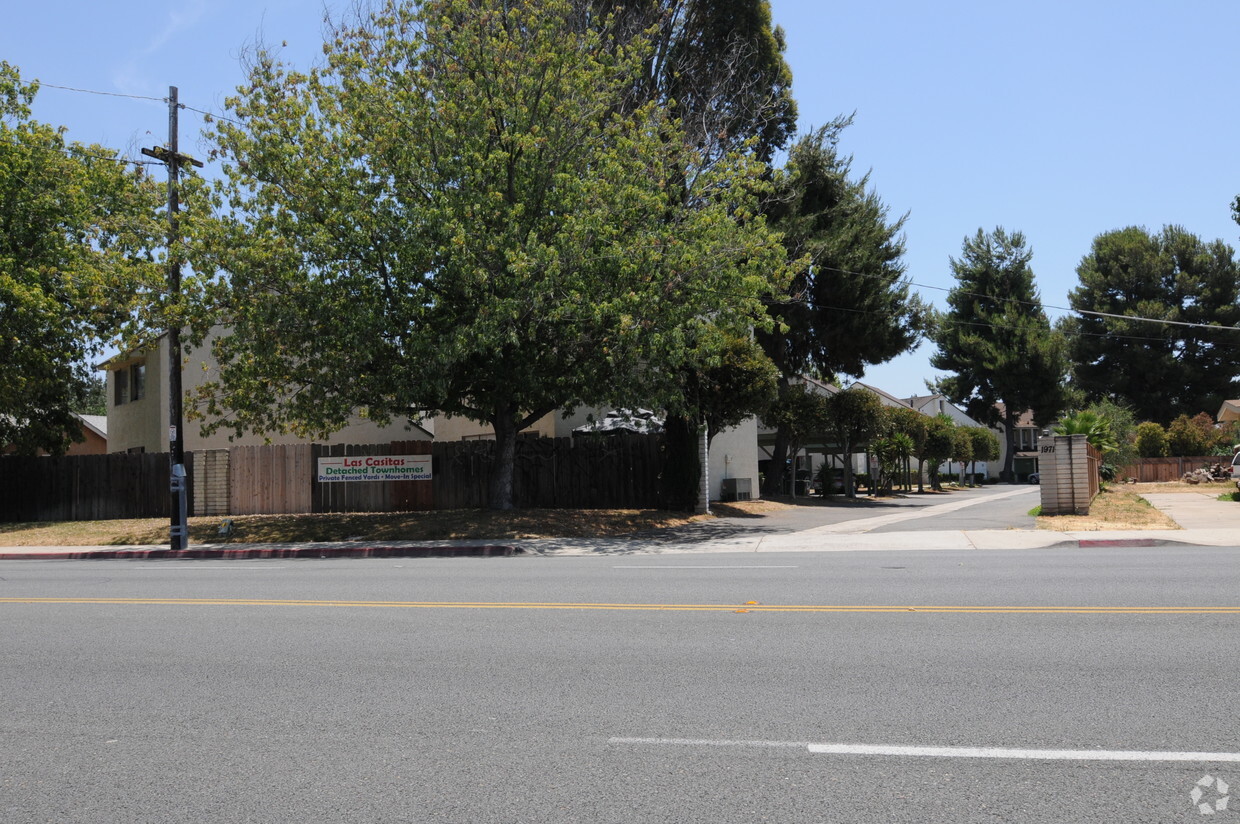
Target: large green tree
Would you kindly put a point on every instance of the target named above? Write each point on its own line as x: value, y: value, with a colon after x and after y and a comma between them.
x: 849, y: 308
x: 1160, y: 370
x: 718, y: 67
x: 77, y: 224
x: 996, y: 340
x: 460, y: 211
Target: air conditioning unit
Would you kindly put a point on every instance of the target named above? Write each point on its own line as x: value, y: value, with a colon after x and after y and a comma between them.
x: 737, y: 489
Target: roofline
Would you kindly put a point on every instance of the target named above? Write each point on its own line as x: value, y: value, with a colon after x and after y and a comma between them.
x: 886, y: 395
x: 121, y: 358
x: 91, y: 426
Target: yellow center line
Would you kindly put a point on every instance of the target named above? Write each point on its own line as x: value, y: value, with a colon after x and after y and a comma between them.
x: 843, y: 608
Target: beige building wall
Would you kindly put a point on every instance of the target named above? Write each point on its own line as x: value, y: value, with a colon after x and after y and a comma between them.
x: 143, y: 424
x: 140, y: 424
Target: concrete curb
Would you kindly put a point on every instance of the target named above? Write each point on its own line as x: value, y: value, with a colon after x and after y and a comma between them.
x: 251, y: 553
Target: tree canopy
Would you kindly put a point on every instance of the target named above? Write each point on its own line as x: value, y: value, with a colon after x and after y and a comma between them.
x: 995, y: 337
x: 462, y: 210
x: 77, y: 225
x: 719, y: 64
x: 853, y: 417
x: 1160, y: 370
x: 849, y: 308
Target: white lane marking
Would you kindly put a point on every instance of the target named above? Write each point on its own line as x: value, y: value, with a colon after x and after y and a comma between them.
x: 705, y: 566
x: 944, y: 752
x: 1001, y: 752
x: 706, y: 742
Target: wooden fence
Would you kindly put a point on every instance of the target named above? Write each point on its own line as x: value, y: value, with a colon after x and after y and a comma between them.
x: 86, y: 487
x: 1094, y: 460
x: 615, y: 471
x: 1163, y: 470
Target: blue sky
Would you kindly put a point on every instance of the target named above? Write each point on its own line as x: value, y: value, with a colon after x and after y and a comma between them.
x: 1059, y: 119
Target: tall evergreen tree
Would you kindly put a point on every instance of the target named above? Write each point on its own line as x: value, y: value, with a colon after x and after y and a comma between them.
x: 717, y: 66
x: 1159, y: 370
x: 996, y: 340
x: 848, y: 309
x: 720, y: 64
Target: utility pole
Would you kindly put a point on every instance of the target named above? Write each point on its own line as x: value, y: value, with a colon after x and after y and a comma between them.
x: 173, y: 159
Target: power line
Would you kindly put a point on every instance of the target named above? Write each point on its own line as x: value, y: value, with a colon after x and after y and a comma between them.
x: 69, y: 151
x: 1038, y: 304
x: 109, y: 94
x: 804, y: 301
x: 137, y: 97
x: 211, y: 115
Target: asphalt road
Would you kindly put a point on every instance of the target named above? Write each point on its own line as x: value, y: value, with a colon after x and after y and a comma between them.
x: 621, y: 690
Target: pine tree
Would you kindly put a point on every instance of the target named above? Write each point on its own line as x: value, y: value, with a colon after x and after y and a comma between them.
x: 996, y: 340
x: 1160, y: 370
x: 848, y: 308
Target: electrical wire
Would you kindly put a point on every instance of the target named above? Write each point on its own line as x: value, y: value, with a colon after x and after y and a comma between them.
x: 93, y: 91
x: 1037, y: 304
x: 69, y: 151
x: 211, y: 115
x: 138, y: 97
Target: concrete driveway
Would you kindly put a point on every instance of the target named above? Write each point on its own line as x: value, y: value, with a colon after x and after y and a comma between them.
x: 1002, y: 506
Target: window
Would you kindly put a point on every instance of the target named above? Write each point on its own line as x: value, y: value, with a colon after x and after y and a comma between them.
x: 129, y: 384
x: 120, y: 387
x: 137, y: 382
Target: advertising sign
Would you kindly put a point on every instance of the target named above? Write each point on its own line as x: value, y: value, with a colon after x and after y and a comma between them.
x: 375, y: 468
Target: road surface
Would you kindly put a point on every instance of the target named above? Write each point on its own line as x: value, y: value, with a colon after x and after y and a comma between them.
x: 1024, y: 686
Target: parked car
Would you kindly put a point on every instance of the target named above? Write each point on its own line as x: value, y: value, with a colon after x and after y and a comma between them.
x: 1035, y: 477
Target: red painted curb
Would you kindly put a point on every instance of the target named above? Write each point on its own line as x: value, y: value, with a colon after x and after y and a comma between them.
x: 252, y: 553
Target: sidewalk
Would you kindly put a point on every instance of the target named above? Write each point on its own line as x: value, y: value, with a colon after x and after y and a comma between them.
x: 581, y: 547
x: 1206, y: 522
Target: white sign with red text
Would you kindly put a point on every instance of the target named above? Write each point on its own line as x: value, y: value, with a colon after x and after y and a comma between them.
x: 375, y: 468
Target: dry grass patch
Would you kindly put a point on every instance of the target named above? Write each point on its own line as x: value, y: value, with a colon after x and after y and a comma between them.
x: 404, y: 526
x: 1117, y: 507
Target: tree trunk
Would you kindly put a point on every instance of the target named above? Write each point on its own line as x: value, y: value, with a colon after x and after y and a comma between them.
x: 849, y: 489
x: 500, y: 486
x: 682, y: 471
x: 779, y: 460
x: 921, y: 487
x: 1009, y: 460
